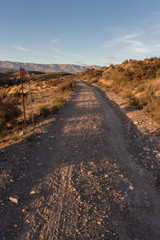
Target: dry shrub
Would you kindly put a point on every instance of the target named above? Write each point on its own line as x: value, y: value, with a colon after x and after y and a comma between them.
x: 132, y: 100
x: 91, y: 74
x: 8, y: 79
x: 9, y: 111
x: 141, y: 88
x: 54, y: 82
x: 153, y: 108
x: 117, y: 78
x: 67, y: 85
x: 128, y: 94
x: 57, y: 104
x: 45, y: 111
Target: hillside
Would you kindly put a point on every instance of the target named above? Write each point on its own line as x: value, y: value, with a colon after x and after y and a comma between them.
x: 138, y: 82
x: 14, y: 66
x: 49, y: 93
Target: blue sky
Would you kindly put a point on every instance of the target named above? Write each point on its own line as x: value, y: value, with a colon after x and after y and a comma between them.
x: 92, y: 32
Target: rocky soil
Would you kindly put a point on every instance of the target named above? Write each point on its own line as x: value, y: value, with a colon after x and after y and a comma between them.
x: 92, y: 174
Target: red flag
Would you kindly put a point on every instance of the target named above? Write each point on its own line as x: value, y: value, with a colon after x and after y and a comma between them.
x: 22, y: 72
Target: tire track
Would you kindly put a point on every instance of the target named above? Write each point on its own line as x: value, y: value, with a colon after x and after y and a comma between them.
x: 91, y: 186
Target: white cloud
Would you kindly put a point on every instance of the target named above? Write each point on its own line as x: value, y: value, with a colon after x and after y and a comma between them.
x: 65, y: 54
x: 22, y: 49
x: 54, y: 40
x: 132, y: 44
x: 125, y: 39
x: 134, y: 35
x: 136, y: 46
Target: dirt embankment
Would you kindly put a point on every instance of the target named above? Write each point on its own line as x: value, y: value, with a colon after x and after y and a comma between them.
x: 82, y: 178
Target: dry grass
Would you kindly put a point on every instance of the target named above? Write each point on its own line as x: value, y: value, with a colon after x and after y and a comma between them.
x: 49, y: 94
x: 137, y: 81
x: 9, y: 112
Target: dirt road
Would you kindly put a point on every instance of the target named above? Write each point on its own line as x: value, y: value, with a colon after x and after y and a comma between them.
x: 80, y: 179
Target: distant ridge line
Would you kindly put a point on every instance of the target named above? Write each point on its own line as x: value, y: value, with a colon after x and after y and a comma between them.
x: 71, y: 68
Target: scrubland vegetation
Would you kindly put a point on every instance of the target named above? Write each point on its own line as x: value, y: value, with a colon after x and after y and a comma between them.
x: 49, y: 93
x: 136, y: 81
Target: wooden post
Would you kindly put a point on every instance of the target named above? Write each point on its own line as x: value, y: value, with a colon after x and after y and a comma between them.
x: 30, y: 100
x: 22, y: 75
x: 24, y: 114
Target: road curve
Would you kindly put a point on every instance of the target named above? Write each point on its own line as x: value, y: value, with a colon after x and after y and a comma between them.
x: 80, y: 179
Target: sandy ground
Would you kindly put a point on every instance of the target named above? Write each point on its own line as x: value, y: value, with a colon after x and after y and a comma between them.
x: 82, y: 178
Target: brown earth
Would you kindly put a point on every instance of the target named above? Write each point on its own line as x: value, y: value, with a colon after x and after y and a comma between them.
x: 84, y: 177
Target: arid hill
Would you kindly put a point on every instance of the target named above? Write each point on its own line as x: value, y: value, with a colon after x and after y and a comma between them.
x: 14, y: 66
x: 137, y: 81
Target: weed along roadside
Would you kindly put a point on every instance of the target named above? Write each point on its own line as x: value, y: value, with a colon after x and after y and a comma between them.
x: 28, y: 103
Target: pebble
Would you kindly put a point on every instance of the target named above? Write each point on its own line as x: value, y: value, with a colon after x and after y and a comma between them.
x: 155, y: 151
x: 32, y: 192
x: 146, y: 149
x: 39, y: 164
x: 13, y: 199
x: 11, y: 180
x: 131, y: 187
x: 106, y: 176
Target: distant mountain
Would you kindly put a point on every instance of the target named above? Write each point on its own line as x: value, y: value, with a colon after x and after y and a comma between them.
x: 71, y: 68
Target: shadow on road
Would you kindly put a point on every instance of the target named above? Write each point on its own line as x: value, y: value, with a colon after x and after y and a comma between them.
x: 79, y: 169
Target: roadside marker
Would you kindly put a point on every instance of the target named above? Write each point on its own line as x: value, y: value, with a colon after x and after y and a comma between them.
x: 30, y: 99
x: 22, y: 76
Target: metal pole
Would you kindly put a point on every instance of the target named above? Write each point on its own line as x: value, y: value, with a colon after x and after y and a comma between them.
x: 24, y: 115
x: 30, y: 100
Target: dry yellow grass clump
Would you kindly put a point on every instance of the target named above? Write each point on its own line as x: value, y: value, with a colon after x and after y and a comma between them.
x: 49, y: 92
x: 137, y: 81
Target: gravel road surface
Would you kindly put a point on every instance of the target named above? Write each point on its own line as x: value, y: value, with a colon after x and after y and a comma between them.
x: 81, y: 178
